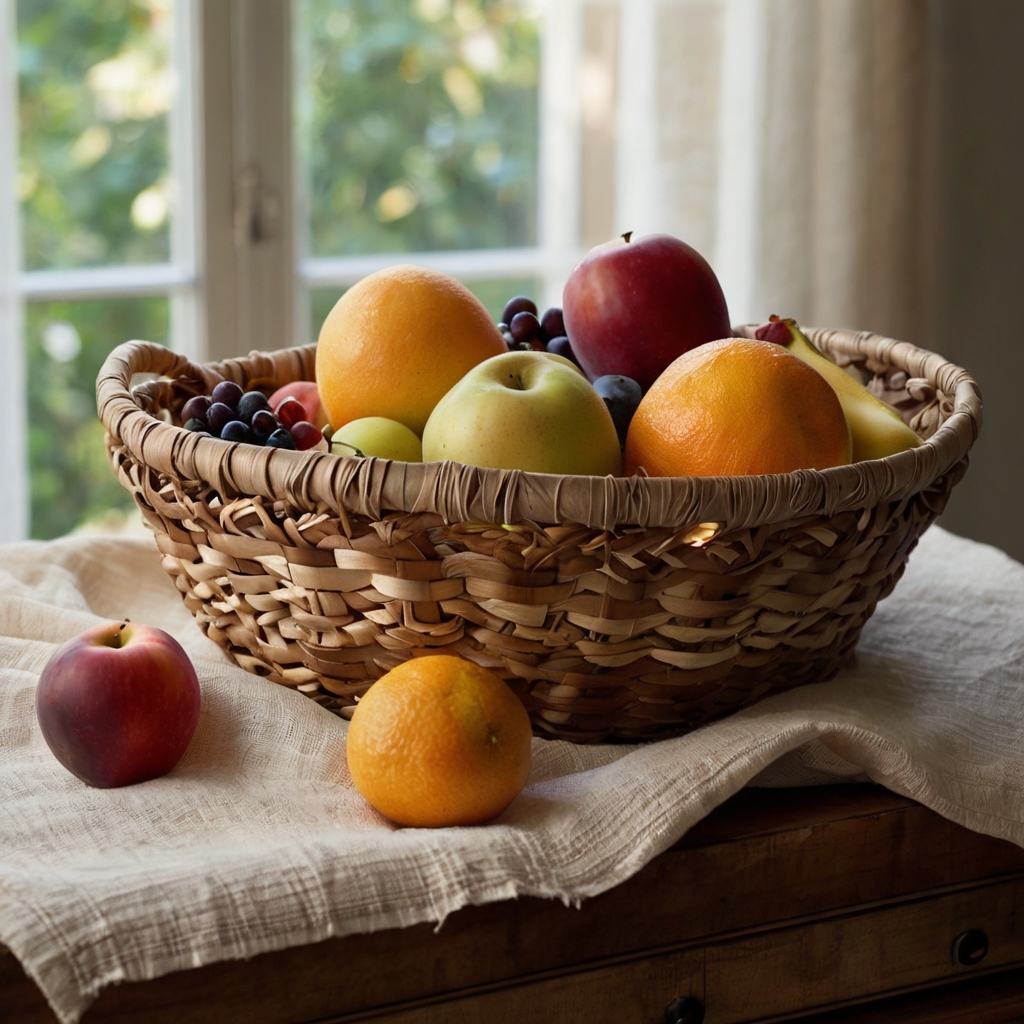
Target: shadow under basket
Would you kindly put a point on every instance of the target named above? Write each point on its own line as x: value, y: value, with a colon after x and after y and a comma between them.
x: 616, y: 608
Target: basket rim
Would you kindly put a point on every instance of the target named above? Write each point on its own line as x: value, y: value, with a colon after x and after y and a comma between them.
x: 318, y: 481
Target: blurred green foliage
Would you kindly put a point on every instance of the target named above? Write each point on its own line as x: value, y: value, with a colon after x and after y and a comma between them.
x: 417, y: 123
x: 94, y: 93
x: 416, y: 129
x: 95, y: 87
x: 67, y: 343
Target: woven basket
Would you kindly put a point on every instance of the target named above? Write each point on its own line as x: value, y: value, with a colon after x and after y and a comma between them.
x: 617, y: 609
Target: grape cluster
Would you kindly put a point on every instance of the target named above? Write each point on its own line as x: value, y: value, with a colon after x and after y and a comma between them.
x: 232, y: 414
x: 523, y: 328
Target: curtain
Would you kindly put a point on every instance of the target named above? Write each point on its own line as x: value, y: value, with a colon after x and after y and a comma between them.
x: 852, y: 163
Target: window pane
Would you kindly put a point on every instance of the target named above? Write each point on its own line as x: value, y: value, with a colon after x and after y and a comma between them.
x: 95, y: 88
x: 417, y: 123
x: 72, y: 482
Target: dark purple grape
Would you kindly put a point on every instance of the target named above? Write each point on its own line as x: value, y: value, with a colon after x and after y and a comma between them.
x: 217, y: 415
x: 195, y: 409
x: 250, y: 403
x: 197, y: 426
x: 236, y: 430
x: 281, y: 438
x: 622, y: 395
x: 525, y: 327
x: 552, y: 324
x: 264, y: 423
x: 228, y: 392
x: 305, y: 435
x: 520, y: 304
x: 561, y: 347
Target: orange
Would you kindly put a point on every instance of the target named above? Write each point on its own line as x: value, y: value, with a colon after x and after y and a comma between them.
x: 735, y: 407
x: 396, y: 341
x: 439, y: 741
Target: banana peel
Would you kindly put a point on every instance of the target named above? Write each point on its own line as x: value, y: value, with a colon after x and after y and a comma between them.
x: 877, y: 429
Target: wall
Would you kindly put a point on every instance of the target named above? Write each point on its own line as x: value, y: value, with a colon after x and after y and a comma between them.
x: 977, y: 270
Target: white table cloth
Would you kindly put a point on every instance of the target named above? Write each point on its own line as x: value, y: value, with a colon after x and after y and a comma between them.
x: 258, y: 841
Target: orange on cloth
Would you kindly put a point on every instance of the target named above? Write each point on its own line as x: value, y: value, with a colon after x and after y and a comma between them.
x: 396, y: 341
x: 439, y: 741
x: 735, y: 407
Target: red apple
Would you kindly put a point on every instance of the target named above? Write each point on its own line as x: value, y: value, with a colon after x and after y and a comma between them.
x: 632, y: 307
x: 306, y: 393
x: 118, y: 704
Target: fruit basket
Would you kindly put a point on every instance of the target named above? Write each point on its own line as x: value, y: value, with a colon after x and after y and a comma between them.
x: 617, y: 609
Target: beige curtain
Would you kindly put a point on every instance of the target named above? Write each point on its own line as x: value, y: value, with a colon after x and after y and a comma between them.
x: 852, y: 163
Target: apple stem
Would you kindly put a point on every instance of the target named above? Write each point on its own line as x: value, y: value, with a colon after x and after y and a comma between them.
x: 120, y: 630
x: 625, y: 235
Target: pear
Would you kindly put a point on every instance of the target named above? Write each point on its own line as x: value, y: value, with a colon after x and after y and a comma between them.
x: 876, y: 428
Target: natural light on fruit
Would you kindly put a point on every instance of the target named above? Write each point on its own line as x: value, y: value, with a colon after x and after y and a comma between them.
x: 439, y: 741
x: 396, y: 342
x: 736, y: 407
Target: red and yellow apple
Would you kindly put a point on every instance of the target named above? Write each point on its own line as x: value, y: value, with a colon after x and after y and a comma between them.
x: 632, y: 307
x: 118, y: 704
x: 524, y: 410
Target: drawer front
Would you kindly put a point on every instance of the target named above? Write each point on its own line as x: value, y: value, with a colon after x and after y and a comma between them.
x: 816, y: 965
x: 632, y: 993
x: 843, y: 959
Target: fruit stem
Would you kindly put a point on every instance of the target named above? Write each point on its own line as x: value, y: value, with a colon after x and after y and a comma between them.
x: 358, y: 453
x: 625, y: 235
x: 119, y: 632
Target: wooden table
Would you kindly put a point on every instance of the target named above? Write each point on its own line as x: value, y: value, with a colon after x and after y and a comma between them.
x: 838, y: 904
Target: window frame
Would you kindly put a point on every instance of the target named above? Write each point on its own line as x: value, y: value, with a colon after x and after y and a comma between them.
x: 238, y: 279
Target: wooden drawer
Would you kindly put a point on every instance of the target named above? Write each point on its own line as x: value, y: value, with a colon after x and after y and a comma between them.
x: 763, y: 977
x: 780, y: 904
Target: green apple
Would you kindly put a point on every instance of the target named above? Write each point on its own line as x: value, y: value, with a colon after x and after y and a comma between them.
x: 377, y: 435
x: 524, y: 410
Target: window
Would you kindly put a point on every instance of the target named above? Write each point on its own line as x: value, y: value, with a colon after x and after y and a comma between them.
x: 212, y: 176
x: 98, y: 240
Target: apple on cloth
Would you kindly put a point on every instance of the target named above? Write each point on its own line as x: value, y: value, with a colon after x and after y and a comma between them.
x: 526, y: 410
x: 118, y: 704
x: 632, y: 307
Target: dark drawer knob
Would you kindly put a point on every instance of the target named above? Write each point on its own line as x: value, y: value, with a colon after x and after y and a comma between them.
x: 970, y: 947
x: 684, y: 1010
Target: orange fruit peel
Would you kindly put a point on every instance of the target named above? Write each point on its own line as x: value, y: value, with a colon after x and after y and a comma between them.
x: 396, y: 341
x: 737, y: 407
x: 439, y: 741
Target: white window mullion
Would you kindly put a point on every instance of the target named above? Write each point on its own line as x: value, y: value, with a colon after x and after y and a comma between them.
x: 14, y: 523
x: 466, y: 265
x: 187, y: 321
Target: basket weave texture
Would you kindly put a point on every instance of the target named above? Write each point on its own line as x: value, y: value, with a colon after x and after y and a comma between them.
x: 616, y: 609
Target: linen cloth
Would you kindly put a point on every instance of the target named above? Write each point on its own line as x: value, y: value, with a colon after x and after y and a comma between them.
x: 258, y: 841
